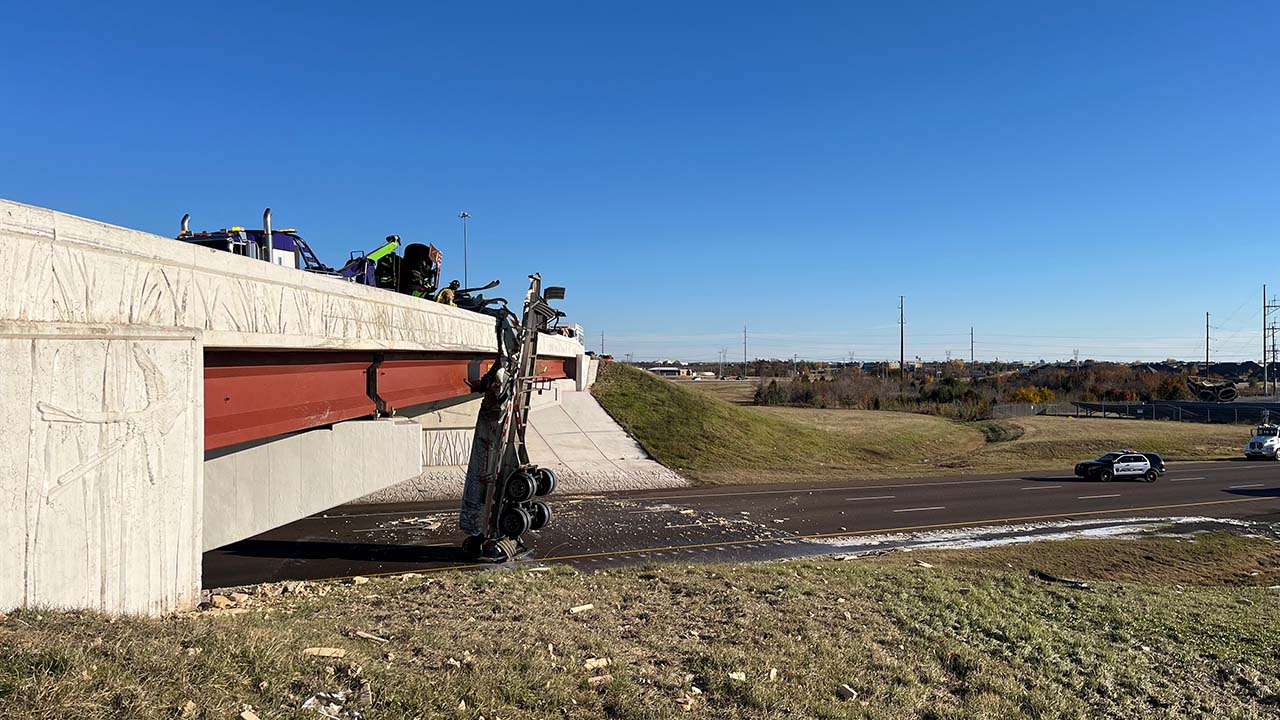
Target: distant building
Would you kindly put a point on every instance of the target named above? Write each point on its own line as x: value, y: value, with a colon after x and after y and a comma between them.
x: 668, y: 371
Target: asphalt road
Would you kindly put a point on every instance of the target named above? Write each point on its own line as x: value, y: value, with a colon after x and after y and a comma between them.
x: 755, y: 522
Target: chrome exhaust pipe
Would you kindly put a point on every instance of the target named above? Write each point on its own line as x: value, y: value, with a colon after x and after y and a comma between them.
x: 266, y: 231
x: 186, y: 225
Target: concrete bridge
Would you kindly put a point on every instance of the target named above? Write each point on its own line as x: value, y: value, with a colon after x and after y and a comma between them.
x: 160, y: 399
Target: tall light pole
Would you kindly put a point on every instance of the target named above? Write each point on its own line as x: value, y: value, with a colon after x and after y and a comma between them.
x: 464, y: 215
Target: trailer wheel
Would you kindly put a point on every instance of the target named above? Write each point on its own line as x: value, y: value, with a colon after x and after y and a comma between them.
x: 521, y: 486
x: 540, y: 515
x: 546, y: 478
x: 473, y: 546
x: 514, y: 522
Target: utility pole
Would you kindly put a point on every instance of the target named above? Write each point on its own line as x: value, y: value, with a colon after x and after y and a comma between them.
x: 1206, y: 344
x: 602, y: 342
x: 1269, y: 354
x: 970, y: 344
x: 464, y: 215
x: 723, y: 352
x: 744, y: 351
x: 902, y: 340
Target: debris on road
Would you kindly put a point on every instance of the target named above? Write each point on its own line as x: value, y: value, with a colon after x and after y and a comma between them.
x: 328, y: 652
x: 331, y: 705
x: 1042, y: 575
x: 359, y: 580
x: 221, y: 602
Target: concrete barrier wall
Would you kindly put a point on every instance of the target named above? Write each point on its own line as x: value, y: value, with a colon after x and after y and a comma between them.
x: 263, y: 487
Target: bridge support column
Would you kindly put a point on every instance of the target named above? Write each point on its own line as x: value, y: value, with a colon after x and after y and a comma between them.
x: 101, y: 451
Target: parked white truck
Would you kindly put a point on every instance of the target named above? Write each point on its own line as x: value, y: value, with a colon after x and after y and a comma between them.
x: 1265, y: 443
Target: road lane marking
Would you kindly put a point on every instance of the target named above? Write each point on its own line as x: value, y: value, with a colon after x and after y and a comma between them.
x: 934, y: 507
x: 803, y: 491
x: 872, y: 497
x: 1181, y: 479
x: 1096, y: 497
x: 1041, y: 487
x: 1236, y: 487
x: 812, y: 536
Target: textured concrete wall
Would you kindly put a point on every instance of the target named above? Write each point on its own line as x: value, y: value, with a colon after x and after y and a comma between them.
x: 263, y: 487
x: 100, y: 499
x: 62, y: 268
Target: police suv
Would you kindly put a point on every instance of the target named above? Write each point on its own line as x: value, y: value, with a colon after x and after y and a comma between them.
x: 1124, y: 464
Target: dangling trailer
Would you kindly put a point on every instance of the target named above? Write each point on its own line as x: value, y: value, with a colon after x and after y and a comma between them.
x: 499, y: 501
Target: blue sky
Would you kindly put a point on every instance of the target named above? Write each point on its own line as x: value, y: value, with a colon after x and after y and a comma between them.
x: 1057, y: 175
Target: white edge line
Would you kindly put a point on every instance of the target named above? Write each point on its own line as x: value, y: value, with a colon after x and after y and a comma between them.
x: 935, y: 507
x: 1096, y: 497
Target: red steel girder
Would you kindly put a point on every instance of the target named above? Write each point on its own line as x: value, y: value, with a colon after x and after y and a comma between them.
x: 404, y: 381
x: 254, y: 395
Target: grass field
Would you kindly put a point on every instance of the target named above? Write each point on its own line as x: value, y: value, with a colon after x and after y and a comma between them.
x: 715, y: 441
x: 971, y: 635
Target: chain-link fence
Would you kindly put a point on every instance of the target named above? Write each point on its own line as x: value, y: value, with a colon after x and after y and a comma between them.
x: 1012, y: 410
x: 1202, y: 412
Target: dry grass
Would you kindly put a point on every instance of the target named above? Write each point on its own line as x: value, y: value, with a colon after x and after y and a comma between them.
x: 971, y: 636
x: 738, y: 392
x: 713, y: 441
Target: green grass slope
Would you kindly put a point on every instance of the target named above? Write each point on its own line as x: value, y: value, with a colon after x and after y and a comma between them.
x: 695, y: 434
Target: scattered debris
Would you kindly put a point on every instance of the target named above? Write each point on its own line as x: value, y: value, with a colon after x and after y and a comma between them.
x: 295, y: 586
x: 331, y: 705
x: 581, y: 608
x: 359, y: 580
x: 923, y: 564
x: 239, y: 598
x: 221, y: 602
x: 738, y: 676
x: 594, y: 663
x: 1042, y: 575
x: 329, y: 652
x: 248, y: 714
x: 188, y: 709
x: 370, y: 636
x: 847, y: 693
x: 599, y: 681
x: 773, y: 674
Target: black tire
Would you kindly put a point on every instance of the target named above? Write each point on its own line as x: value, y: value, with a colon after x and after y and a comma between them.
x: 540, y: 515
x: 473, y: 546
x: 1105, y: 476
x: 521, y: 486
x: 514, y: 522
x: 1150, y: 476
x: 546, y: 478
